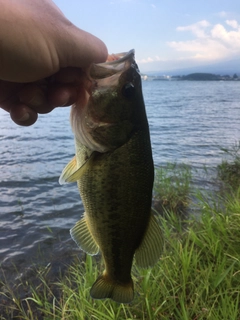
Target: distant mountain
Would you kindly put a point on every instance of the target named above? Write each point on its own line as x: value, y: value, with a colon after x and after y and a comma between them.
x: 221, y: 68
x: 207, y: 77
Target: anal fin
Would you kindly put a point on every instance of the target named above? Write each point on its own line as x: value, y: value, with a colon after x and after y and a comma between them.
x: 150, y: 249
x: 81, y: 234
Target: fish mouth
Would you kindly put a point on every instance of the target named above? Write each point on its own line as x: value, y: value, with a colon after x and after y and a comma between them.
x: 116, y: 63
x: 107, y: 74
x: 104, y: 121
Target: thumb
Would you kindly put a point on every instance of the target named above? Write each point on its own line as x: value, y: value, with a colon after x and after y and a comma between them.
x: 80, y: 49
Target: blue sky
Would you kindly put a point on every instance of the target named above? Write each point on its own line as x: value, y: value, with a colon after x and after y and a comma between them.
x: 166, y: 34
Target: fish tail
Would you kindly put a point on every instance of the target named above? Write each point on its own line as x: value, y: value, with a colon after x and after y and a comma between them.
x: 104, y: 287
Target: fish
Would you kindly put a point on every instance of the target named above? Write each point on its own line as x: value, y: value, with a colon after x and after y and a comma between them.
x: 114, y: 170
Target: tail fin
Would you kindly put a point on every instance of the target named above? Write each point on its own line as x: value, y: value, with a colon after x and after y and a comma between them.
x: 104, y: 288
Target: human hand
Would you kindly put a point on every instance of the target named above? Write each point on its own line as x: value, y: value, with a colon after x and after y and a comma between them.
x: 43, y: 58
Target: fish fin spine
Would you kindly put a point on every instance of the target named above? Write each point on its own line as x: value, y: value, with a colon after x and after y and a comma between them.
x: 69, y: 169
x: 104, y: 287
x: 150, y: 249
x: 71, y: 173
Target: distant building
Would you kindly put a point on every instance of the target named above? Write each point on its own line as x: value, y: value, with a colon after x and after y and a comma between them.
x: 164, y: 77
x: 144, y: 77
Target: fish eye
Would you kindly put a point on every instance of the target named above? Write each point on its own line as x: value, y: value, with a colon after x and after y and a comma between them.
x: 128, y: 90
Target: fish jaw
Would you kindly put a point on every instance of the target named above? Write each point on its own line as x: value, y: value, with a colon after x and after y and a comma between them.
x: 106, y: 119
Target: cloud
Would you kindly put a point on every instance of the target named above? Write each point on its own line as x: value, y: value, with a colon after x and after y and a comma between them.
x: 211, y: 42
x: 207, y: 49
x: 208, y: 43
x: 222, y: 14
x: 149, y: 59
x: 232, y: 23
x: 196, y: 28
x: 145, y: 60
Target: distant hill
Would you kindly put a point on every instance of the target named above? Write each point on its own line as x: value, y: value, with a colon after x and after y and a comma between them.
x: 221, y: 68
x: 200, y: 76
x: 205, y: 77
x: 197, y: 76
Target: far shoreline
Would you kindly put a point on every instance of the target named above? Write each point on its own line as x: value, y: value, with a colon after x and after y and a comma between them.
x: 199, y: 76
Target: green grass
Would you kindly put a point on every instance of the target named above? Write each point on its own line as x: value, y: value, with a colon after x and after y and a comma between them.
x: 197, y: 277
x: 229, y: 170
x: 172, y: 187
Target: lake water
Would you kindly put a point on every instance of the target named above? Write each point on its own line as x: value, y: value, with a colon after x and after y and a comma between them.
x: 188, y: 121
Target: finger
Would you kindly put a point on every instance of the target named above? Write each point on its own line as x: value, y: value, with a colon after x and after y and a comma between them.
x: 67, y: 85
x: 61, y: 89
x: 63, y: 95
x: 81, y: 49
x: 70, y: 75
x: 23, y: 115
x: 32, y: 94
x: 8, y: 92
x: 35, y: 97
x: 43, y: 102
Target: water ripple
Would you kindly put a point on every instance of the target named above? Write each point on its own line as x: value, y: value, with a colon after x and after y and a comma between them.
x: 188, y: 122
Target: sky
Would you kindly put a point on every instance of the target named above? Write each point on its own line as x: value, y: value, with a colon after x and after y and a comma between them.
x: 166, y: 34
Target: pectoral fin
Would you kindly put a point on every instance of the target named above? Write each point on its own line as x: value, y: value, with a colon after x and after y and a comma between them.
x: 151, y: 247
x: 71, y: 174
x: 67, y: 172
x: 81, y: 234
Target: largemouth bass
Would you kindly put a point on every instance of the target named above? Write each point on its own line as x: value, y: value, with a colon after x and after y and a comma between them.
x: 114, y: 170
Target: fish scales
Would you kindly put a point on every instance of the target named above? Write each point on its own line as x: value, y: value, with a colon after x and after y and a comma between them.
x: 126, y: 181
x: 114, y: 171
